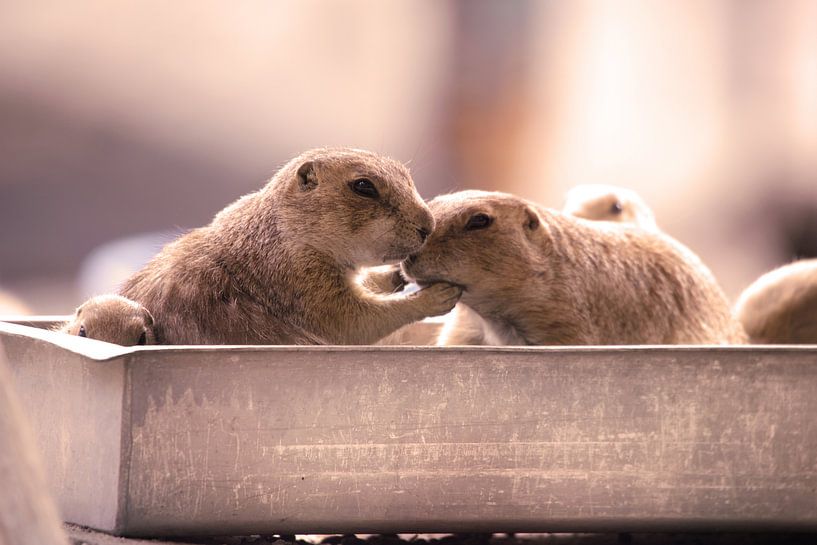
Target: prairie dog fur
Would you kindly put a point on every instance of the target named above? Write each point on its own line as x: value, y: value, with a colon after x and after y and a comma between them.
x: 114, y: 319
x: 382, y: 279
x: 537, y: 276
x: 28, y: 514
x: 590, y: 201
x: 609, y: 203
x: 278, y: 266
x: 780, y: 307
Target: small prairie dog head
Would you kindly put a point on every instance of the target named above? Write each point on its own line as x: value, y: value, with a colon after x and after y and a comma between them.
x: 361, y: 207
x: 780, y: 307
x: 609, y: 203
x: 483, y: 241
x: 114, y: 319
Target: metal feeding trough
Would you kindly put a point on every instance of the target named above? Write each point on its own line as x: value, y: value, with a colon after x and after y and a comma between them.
x: 278, y: 439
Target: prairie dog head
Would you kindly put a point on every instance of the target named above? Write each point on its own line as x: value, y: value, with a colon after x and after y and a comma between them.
x: 780, y: 307
x: 114, y: 319
x: 361, y: 207
x: 609, y: 203
x: 480, y: 237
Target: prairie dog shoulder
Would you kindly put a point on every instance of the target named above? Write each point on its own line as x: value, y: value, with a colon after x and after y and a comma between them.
x: 278, y: 266
x: 538, y: 276
x: 780, y: 307
x: 609, y: 203
x: 114, y: 319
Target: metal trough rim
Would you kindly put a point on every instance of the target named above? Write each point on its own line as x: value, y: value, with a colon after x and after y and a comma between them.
x: 32, y: 326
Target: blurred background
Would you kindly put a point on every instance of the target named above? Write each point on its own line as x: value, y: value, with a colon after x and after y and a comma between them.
x: 124, y: 122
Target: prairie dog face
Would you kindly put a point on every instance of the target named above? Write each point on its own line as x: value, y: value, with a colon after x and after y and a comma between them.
x: 609, y: 203
x: 113, y: 319
x: 361, y: 207
x: 483, y: 241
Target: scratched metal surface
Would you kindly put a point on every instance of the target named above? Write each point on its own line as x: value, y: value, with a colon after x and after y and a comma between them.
x: 74, y: 404
x: 249, y: 440
x: 453, y: 440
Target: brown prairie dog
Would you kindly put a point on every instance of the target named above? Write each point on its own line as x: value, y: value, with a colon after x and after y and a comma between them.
x: 781, y: 306
x: 28, y: 515
x: 609, y: 203
x: 590, y: 201
x: 114, y: 319
x: 279, y: 266
x: 537, y: 276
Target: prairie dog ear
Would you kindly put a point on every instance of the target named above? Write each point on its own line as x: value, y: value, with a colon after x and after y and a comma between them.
x: 148, y: 317
x: 307, y: 178
x: 532, y: 220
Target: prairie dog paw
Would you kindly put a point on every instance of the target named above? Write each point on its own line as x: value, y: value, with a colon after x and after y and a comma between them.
x: 395, y: 281
x: 384, y: 279
x: 438, y: 298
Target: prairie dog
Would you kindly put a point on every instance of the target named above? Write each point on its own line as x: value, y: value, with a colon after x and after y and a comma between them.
x: 28, y: 514
x: 114, y: 319
x: 780, y: 307
x: 278, y: 266
x: 537, y: 276
x: 591, y: 201
x: 609, y: 203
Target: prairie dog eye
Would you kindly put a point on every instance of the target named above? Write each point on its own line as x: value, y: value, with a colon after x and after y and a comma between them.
x: 143, y: 339
x: 82, y: 331
x: 478, y: 221
x: 364, y: 187
x: 616, y: 208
